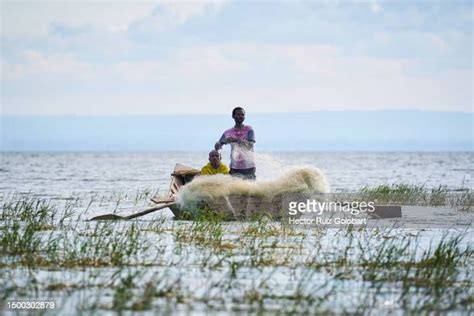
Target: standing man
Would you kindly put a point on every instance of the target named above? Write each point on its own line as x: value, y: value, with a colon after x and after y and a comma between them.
x: 241, y: 139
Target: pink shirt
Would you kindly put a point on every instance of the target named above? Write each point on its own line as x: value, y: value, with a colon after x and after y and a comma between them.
x: 240, y: 156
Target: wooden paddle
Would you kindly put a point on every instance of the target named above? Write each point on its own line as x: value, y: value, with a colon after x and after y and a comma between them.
x: 110, y: 217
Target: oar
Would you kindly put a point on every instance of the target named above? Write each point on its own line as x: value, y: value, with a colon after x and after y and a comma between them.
x: 108, y: 217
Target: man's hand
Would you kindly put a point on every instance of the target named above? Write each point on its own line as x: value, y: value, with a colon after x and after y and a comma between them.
x: 217, y: 146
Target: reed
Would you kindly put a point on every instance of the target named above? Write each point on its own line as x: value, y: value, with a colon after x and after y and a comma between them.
x: 212, y: 265
x: 411, y: 194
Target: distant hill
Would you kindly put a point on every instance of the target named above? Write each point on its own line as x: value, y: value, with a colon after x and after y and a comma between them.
x: 312, y: 131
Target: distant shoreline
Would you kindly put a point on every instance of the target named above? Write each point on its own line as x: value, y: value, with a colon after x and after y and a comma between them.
x: 348, y: 131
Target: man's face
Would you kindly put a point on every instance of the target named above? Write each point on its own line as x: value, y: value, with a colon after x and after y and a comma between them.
x: 239, y: 116
x: 214, y: 159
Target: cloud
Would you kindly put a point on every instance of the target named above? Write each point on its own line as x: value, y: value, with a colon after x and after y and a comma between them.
x: 35, y: 63
x: 283, y: 56
x: 168, y: 15
x: 64, y: 30
x: 36, y: 19
x: 203, y: 60
x: 140, y: 71
x: 374, y: 6
x: 181, y: 12
x: 264, y: 77
x: 194, y: 63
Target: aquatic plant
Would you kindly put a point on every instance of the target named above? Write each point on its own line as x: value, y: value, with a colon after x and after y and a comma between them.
x: 209, y: 264
x: 411, y: 194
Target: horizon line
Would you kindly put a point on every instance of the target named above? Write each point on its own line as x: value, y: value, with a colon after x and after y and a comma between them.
x: 247, y: 112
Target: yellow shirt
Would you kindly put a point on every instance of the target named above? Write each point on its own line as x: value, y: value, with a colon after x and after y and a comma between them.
x: 209, y: 169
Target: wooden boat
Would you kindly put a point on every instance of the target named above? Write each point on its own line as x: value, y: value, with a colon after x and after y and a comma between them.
x: 230, y: 207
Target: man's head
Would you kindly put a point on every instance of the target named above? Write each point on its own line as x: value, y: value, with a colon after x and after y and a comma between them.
x: 238, y: 114
x: 215, y: 158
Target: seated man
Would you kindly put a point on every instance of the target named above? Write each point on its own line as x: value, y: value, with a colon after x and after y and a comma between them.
x: 214, y: 166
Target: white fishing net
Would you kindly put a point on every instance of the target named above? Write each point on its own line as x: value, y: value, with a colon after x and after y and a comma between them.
x: 204, y: 188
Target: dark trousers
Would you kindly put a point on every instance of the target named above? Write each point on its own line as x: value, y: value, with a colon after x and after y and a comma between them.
x: 247, y: 174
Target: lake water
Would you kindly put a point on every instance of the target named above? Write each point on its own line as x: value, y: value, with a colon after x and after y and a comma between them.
x: 271, y: 271
x: 59, y: 175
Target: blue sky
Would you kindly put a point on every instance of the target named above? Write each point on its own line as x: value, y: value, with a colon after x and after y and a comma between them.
x: 162, y: 57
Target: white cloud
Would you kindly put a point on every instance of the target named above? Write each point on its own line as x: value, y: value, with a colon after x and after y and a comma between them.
x: 169, y: 14
x: 374, y: 6
x: 305, y: 78
x: 139, y: 71
x: 181, y: 11
x: 83, y: 52
x: 34, y: 19
x: 35, y: 63
x: 448, y: 91
x: 200, y: 62
x: 203, y: 60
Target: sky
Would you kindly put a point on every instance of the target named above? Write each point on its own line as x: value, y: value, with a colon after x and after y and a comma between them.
x: 90, y: 58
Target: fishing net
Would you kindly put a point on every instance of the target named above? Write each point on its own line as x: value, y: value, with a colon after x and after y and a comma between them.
x: 298, y: 180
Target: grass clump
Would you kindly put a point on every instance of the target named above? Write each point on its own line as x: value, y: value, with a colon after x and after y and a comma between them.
x: 23, y: 224
x: 37, y: 213
x: 264, y: 227
x: 411, y: 194
x: 206, y: 230
x: 104, y: 246
x: 430, y: 281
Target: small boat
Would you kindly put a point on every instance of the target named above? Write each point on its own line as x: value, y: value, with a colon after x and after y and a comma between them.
x: 236, y: 206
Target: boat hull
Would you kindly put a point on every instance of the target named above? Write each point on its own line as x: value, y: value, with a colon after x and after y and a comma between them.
x: 234, y: 207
